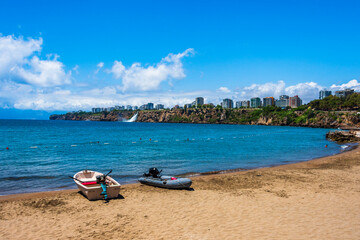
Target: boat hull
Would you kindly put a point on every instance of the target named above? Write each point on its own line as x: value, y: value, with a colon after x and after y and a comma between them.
x: 166, y: 182
x: 93, y: 192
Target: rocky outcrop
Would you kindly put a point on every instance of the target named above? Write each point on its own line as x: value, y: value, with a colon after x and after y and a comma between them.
x: 87, y: 116
x: 342, y: 137
x: 305, y: 118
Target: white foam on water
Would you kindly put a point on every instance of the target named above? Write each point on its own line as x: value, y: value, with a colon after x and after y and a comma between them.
x: 132, y: 119
x: 73, y: 146
x: 106, y: 143
x: 33, y: 147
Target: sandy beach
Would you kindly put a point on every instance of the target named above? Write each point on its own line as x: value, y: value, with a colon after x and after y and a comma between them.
x: 318, y: 199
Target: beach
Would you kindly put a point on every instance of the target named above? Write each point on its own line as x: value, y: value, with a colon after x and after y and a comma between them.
x: 317, y: 199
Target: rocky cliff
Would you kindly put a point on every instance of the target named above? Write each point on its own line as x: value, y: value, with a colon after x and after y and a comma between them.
x: 306, y: 117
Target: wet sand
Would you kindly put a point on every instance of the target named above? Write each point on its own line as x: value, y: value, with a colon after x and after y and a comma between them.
x: 318, y: 199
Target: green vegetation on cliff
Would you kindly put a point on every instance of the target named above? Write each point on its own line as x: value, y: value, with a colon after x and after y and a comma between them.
x: 334, y: 103
x: 331, y: 112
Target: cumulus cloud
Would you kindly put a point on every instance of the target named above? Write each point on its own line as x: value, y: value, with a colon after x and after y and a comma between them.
x: 19, y: 62
x: 24, y: 96
x: 140, y: 78
x: 98, y: 97
x: 44, y: 73
x: 307, y: 91
x: 354, y: 84
x: 15, y: 51
x: 224, y: 89
x: 263, y: 90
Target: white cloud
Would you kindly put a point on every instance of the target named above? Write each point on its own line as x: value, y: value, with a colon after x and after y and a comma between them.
x: 224, y: 89
x: 99, y: 66
x: 23, y: 96
x: 98, y: 97
x: 19, y: 62
x: 263, y: 90
x: 307, y: 91
x: 44, y: 73
x: 117, y: 69
x: 15, y: 51
x: 354, y: 84
x: 139, y: 78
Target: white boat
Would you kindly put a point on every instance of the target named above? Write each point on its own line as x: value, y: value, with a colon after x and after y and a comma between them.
x: 90, y: 185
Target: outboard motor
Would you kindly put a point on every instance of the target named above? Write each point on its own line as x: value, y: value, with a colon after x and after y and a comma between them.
x: 154, y: 172
x: 101, y: 179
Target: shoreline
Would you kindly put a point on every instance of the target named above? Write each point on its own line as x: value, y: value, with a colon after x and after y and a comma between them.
x: 193, y: 176
x: 315, y: 199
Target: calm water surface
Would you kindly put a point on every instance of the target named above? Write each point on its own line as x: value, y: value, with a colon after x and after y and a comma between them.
x: 42, y: 154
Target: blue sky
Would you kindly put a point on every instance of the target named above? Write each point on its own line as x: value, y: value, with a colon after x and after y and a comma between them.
x: 61, y: 56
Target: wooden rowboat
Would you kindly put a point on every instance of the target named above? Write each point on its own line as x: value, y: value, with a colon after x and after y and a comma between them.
x: 95, y: 185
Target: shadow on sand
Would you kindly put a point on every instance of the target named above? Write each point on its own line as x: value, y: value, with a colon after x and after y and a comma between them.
x: 118, y: 197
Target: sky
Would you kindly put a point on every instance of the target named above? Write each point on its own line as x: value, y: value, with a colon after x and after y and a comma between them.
x: 74, y: 55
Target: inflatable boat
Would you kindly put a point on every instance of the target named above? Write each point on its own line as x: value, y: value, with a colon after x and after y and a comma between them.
x: 153, y: 178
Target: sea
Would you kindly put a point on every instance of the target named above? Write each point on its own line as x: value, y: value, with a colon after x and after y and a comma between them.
x: 42, y: 154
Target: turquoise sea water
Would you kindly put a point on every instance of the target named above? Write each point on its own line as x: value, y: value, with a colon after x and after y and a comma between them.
x: 42, y: 154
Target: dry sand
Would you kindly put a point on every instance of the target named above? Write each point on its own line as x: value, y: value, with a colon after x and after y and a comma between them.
x: 319, y: 199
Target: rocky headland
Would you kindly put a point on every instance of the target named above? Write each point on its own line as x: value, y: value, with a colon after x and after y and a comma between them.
x: 276, y: 117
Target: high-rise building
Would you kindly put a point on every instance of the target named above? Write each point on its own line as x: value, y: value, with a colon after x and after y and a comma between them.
x: 97, y: 110
x: 295, y: 101
x: 238, y: 104
x: 284, y: 97
x: 149, y: 106
x: 344, y: 93
x: 128, y: 107
x: 199, y: 101
x: 282, y: 103
x: 324, y: 93
x: 159, y: 106
x: 245, y: 104
x: 227, y: 103
x: 268, y: 101
x: 255, y: 102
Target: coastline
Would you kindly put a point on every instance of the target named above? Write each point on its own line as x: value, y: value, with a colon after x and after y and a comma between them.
x: 315, y: 199
x: 50, y: 193
x: 193, y: 176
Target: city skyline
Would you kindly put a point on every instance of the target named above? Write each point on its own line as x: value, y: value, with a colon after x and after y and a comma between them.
x: 128, y: 54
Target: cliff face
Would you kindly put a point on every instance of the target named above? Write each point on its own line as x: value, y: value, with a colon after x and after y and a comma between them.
x: 86, y: 116
x: 306, y: 118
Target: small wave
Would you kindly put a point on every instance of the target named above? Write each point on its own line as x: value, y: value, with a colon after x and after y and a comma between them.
x: 73, y: 146
x: 33, y: 147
